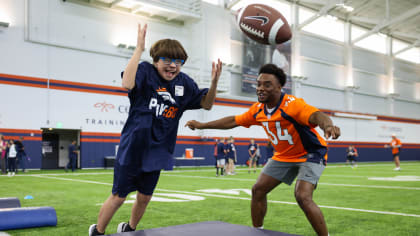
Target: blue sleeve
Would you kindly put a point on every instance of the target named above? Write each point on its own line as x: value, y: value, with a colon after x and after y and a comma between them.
x: 196, y: 95
x: 142, y: 70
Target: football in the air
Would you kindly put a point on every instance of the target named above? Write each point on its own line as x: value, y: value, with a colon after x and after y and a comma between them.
x: 264, y: 24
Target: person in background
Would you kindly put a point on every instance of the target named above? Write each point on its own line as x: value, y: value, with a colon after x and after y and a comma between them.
x: 301, y: 152
x: 351, y: 156
x: 269, y: 150
x: 252, y: 151
x: 220, y: 157
x: 159, y: 94
x: 231, y: 156
x: 72, y: 156
x: 11, y: 158
x: 21, y: 155
x: 216, y: 141
x: 3, y: 146
x: 395, y: 146
x: 258, y: 155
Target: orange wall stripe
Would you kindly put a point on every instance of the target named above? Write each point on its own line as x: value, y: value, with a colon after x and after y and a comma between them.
x: 99, y: 140
x: 25, y: 131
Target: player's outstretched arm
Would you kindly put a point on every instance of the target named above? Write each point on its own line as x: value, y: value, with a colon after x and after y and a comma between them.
x: 325, y: 123
x: 208, y: 100
x: 224, y: 123
x: 129, y: 77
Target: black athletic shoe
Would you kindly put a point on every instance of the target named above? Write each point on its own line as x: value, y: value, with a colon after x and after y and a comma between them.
x: 93, y: 231
x: 124, y: 227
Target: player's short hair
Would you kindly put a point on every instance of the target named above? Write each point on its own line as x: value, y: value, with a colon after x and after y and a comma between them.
x: 170, y: 48
x: 274, y: 70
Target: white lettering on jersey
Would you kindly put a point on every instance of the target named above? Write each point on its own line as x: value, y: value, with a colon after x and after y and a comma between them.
x: 167, y: 96
x: 159, y: 108
x: 289, y: 100
x: 280, y: 137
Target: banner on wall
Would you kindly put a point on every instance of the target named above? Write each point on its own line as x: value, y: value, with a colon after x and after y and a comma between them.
x: 255, y: 55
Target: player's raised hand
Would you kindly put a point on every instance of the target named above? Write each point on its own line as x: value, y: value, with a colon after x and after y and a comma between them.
x: 193, y: 124
x: 141, y: 37
x: 216, y: 70
x: 332, y: 131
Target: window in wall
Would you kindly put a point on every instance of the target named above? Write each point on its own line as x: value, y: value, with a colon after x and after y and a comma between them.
x: 282, y: 7
x: 417, y: 92
x: 412, y: 55
x: 398, y: 45
x: 375, y: 42
x: 327, y: 26
x: 305, y: 14
x: 214, y: 2
x: 357, y: 31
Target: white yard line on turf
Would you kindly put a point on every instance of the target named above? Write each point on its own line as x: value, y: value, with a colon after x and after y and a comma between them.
x: 293, y: 203
x: 230, y: 179
x: 240, y: 198
x: 332, y: 184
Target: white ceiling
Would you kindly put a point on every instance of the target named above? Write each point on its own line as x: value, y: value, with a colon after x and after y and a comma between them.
x: 397, y: 18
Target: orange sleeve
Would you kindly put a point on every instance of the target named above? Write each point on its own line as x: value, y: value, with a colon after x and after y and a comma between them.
x: 247, y: 119
x: 301, y: 111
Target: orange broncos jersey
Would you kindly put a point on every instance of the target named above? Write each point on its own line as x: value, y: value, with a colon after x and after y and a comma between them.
x: 288, y: 128
x: 396, y: 145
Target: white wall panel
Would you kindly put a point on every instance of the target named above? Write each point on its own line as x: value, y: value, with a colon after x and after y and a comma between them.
x: 406, y: 90
x: 406, y: 70
x: 323, y: 98
x: 22, y: 107
x: 369, y: 61
x: 19, y: 57
x: 370, y: 104
x: 87, y: 111
x: 321, y: 74
x: 401, y: 107
x: 322, y: 49
x: 370, y: 83
x: 76, y: 66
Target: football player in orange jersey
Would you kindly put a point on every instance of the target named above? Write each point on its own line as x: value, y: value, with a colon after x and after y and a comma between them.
x: 396, y: 148
x: 299, y: 150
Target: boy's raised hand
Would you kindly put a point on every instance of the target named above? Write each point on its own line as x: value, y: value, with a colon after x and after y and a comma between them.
x: 141, y: 37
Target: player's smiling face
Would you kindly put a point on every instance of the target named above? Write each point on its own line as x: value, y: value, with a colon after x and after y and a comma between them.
x: 167, y: 71
x: 268, y: 89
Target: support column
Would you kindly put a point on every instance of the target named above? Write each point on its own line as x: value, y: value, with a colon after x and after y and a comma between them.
x: 350, y: 87
x: 296, y: 72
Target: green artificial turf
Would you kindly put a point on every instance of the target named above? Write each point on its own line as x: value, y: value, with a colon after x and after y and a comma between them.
x: 352, y: 203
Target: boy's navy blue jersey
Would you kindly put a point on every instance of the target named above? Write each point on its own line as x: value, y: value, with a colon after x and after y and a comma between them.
x: 220, y: 151
x: 230, y: 151
x: 252, y: 148
x: 156, y: 106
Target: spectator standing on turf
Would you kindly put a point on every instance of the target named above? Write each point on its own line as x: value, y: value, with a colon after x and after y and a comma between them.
x: 21, y: 155
x: 159, y: 94
x: 252, y: 151
x: 351, y: 156
x: 72, y: 156
x: 395, y: 145
x: 220, y: 157
x: 231, y: 156
x: 11, y: 158
x: 269, y: 150
x: 300, y: 151
x: 3, y: 146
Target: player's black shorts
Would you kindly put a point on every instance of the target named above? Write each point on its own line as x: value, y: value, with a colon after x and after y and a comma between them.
x: 396, y: 154
x: 351, y: 158
x: 128, y: 179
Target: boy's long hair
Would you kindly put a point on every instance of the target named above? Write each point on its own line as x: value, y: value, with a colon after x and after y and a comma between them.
x: 170, y: 48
